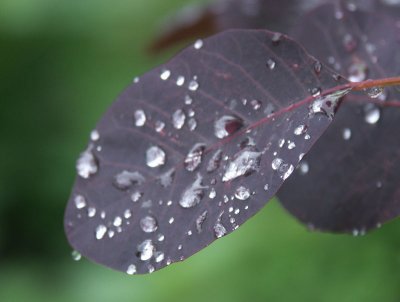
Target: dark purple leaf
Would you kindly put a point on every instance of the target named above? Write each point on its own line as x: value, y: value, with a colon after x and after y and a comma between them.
x: 349, y: 181
x: 195, y: 147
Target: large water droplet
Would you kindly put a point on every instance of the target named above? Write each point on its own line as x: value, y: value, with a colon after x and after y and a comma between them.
x: 372, y: 114
x: 193, y: 194
x: 244, y: 163
x: 148, y: 224
x: 227, y: 125
x: 219, y: 230
x: 242, y: 193
x: 215, y: 161
x: 140, y: 118
x: 327, y: 104
x: 146, y: 250
x: 155, y: 157
x: 200, y: 220
x: 87, y: 163
x: 194, y: 157
x: 178, y: 119
x: 80, y: 201
x: 100, y: 231
x: 126, y: 179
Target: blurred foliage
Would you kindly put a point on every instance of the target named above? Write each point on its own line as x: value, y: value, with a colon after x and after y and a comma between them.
x: 62, y: 63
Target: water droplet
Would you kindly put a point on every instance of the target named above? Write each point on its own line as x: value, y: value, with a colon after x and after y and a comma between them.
x: 349, y: 43
x: 188, y: 100
x: 159, y: 126
x: 117, y: 221
x: 140, y: 118
x: 192, y: 123
x: 244, y: 163
x: 155, y: 157
x: 180, y: 81
x: 100, y: 231
x: 126, y: 179
x: 76, y: 255
x: 375, y: 92
x: 167, y: 178
x: 194, y: 157
x: 178, y: 119
x: 372, y: 114
x: 131, y: 270
x: 171, y: 220
x: 286, y: 170
x: 327, y: 104
x: 160, y: 237
x: 266, y: 187
x: 276, y: 163
x: 242, y: 193
x: 300, y: 130
x: 127, y: 214
x: 317, y: 67
x: 159, y: 256
x: 271, y: 64
x: 316, y: 91
x: 219, y: 230
x: 136, y: 196
x: 276, y: 38
x: 136, y: 80
x: 198, y: 44
x: 255, y: 104
x: 94, y: 135
x: 165, y: 74
x: 304, y: 168
x: 148, y: 224
x: 215, y: 161
x: 281, y: 142
x: 291, y: 145
x: 193, y: 194
x: 346, y: 134
x: 80, y: 201
x: 193, y: 85
x: 212, y: 193
x: 91, y: 212
x: 227, y: 125
x: 357, y: 71
x: 146, y: 250
x: 86, y: 164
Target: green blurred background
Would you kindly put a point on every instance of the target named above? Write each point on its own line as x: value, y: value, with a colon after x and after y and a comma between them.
x: 61, y: 64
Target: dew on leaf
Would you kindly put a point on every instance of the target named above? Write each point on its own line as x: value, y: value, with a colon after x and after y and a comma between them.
x: 193, y: 84
x: 158, y: 256
x: 200, y: 220
x: 76, y: 256
x: 155, y: 157
x: 244, y: 163
x: 194, y: 158
x: 91, y: 212
x: 372, y: 114
x: 131, y: 270
x: 212, y: 194
x: 276, y: 163
x: 193, y: 194
x: 349, y: 43
x: 346, y: 133
x: 178, y: 119
x: 160, y: 237
x: 86, y: 164
x: 198, y: 44
x: 286, y: 170
x: 94, y: 135
x: 146, y: 250
x: 188, y: 100
x: 271, y: 64
x: 167, y: 178
x: 100, y: 231
x: 299, y: 130
x: 165, y: 75
x: 140, y: 118
x: 291, y: 145
x: 255, y: 104
x: 192, y: 124
x: 180, y: 81
x: 227, y: 125
x: 159, y: 126
x: 242, y: 193
x: 219, y: 230
x: 148, y: 224
x: 117, y: 221
x: 135, y: 196
x: 357, y: 71
x: 375, y: 92
x: 80, y: 201
x: 276, y: 38
x: 126, y: 179
x: 304, y: 168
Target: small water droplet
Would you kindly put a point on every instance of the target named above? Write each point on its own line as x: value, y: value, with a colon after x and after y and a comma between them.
x: 346, y: 134
x: 300, y: 130
x: 271, y: 64
x: 194, y: 157
x: 291, y: 145
x: 140, y: 118
x: 198, y: 44
x: 242, y: 193
x: 159, y: 256
x: 159, y: 126
x: 136, y: 80
x: 127, y: 214
x: 148, y: 224
x: 100, y: 231
x: 91, y: 212
x: 372, y: 114
x: 304, y: 168
x: 375, y: 92
x: 155, y: 157
x: 178, y: 119
x: 219, y: 230
x: 193, y: 85
x: 212, y: 193
x: 193, y: 193
x: 281, y: 142
x: 266, y: 187
x: 126, y: 179
x: 131, y: 270
x: 276, y: 38
x: 76, y: 256
x: 227, y: 125
x: 192, y: 124
x: 255, y: 104
x: 276, y: 163
x: 327, y: 104
x: 136, y: 196
x: 86, y: 164
x: 316, y: 91
x: 165, y: 74
x: 171, y: 220
x: 188, y: 100
x: 349, y: 43
x: 357, y: 71
x: 117, y: 221
x: 94, y: 135
x: 180, y: 81
x: 167, y: 178
x: 214, y: 162
x: 244, y: 163
x: 80, y: 201
x: 160, y: 237
x: 200, y: 220
x: 146, y: 250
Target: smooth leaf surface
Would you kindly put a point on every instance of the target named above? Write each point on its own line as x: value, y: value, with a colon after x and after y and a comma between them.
x: 349, y: 181
x: 195, y: 147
